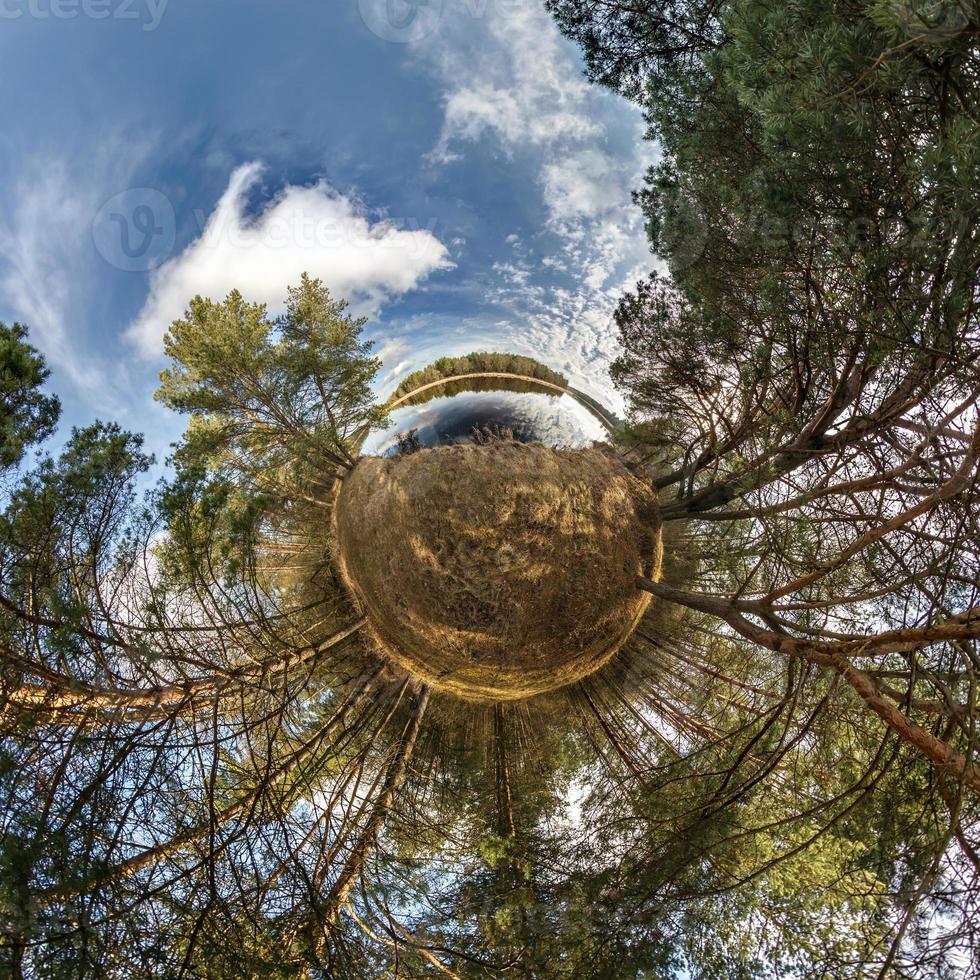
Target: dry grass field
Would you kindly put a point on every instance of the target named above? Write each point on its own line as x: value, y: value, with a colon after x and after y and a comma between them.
x: 498, y: 571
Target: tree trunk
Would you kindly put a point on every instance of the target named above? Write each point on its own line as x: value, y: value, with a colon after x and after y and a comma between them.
x: 212, y: 823
x: 328, y: 911
x: 67, y: 702
x: 505, y: 807
x: 940, y: 753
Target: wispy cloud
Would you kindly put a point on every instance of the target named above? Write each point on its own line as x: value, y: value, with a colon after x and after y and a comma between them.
x: 513, y: 85
x: 42, y: 273
x: 508, y: 74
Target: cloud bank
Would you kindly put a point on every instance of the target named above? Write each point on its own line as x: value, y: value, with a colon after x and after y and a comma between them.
x: 312, y: 229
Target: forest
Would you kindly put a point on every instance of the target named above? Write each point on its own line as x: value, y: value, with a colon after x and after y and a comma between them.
x: 701, y: 702
x: 475, y: 363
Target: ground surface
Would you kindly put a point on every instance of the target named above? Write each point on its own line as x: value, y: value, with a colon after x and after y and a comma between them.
x: 500, y: 571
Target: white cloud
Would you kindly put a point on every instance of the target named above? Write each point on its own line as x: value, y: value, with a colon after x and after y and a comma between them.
x: 510, y: 74
x: 586, y: 183
x: 312, y: 229
x: 480, y: 107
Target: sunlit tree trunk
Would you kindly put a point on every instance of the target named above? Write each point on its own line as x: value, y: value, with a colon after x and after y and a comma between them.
x: 327, y: 911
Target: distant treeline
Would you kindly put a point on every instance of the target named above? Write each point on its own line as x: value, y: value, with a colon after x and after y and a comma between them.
x: 462, y: 385
x: 478, y: 361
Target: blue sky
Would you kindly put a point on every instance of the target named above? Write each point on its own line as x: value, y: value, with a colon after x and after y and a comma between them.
x: 443, y: 164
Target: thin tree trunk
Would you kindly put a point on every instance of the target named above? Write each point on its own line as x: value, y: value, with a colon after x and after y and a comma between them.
x: 210, y: 824
x: 328, y: 911
x: 507, y: 827
x: 505, y: 806
x: 940, y: 753
x: 59, y: 704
